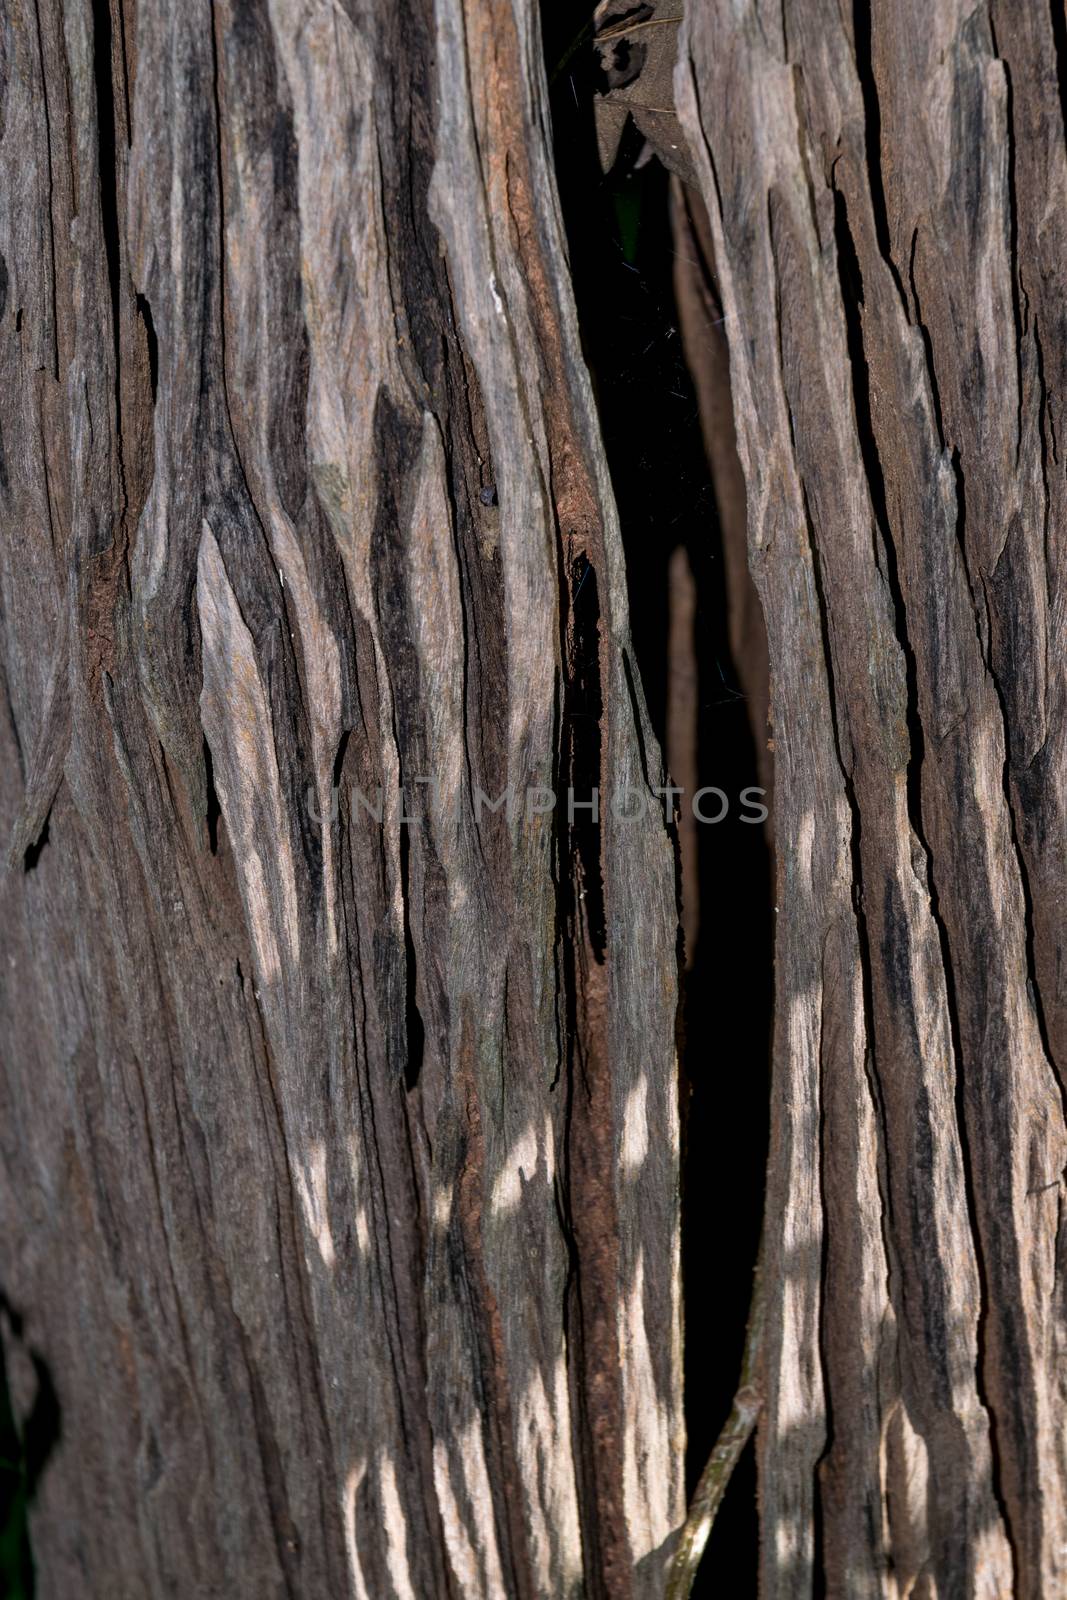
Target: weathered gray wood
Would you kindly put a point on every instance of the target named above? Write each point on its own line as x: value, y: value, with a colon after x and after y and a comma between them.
x: 339, y: 1158
x: 886, y: 197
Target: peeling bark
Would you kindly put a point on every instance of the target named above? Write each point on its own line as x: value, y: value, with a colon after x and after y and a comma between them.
x: 339, y: 1161
x: 886, y: 199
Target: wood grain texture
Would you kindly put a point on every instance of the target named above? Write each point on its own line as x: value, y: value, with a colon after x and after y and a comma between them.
x: 886, y: 197
x: 339, y: 1155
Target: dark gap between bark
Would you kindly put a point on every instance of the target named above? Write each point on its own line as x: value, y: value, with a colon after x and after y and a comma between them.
x: 621, y: 256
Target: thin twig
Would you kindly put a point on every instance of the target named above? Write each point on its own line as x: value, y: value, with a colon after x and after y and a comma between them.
x: 571, y: 50
x: 724, y: 1457
x: 632, y: 27
x: 615, y: 97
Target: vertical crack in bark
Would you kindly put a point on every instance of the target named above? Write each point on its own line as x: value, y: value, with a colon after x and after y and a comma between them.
x: 214, y: 810
x: 414, y: 1027
x: 145, y: 312
x: 103, y: 45
x: 581, y: 763
x: 589, y: 1159
x: 864, y: 57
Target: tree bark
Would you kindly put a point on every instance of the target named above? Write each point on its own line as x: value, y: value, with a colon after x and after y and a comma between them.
x: 886, y: 191
x: 339, y: 1148
x: 340, y: 1152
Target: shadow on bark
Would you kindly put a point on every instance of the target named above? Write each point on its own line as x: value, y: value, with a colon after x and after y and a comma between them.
x: 25, y: 1447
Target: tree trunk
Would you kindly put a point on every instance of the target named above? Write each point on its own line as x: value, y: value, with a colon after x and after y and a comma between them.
x: 340, y: 1150
x: 887, y: 193
x: 339, y: 1147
